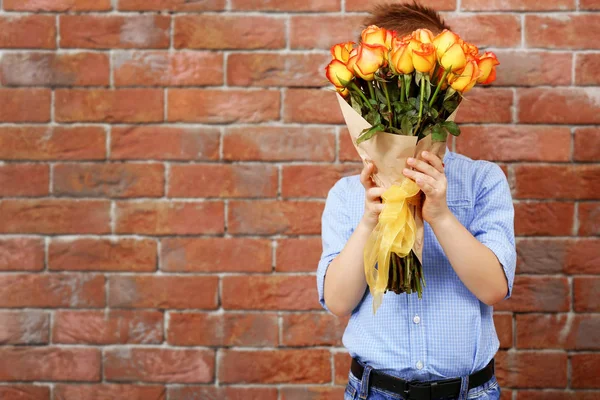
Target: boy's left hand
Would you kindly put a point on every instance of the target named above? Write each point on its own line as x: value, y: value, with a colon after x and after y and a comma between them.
x: 430, y: 177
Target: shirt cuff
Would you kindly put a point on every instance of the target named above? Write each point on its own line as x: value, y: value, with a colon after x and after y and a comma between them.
x: 507, y: 257
x: 321, y: 271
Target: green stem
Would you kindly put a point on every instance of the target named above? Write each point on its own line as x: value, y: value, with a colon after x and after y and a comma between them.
x: 402, y: 87
x: 439, y: 85
x: 389, y: 104
x: 421, y: 102
x: 371, y: 90
x: 422, y: 97
x: 361, y: 94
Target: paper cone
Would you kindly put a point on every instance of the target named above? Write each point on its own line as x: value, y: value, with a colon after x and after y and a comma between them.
x: 389, y: 152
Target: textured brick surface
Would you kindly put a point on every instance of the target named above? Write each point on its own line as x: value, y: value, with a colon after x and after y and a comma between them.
x: 163, y: 171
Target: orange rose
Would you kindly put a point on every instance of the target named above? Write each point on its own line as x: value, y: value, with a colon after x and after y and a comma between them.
x: 444, y: 40
x: 338, y: 74
x: 400, y: 57
x: 389, y: 37
x: 423, y: 35
x: 450, y: 52
x: 487, y: 64
x: 374, y: 36
x: 342, y: 51
x: 423, y: 56
x: 465, y: 79
x: 369, y: 60
x: 470, y: 49
x: 343, y: 91
x: 352, y: 59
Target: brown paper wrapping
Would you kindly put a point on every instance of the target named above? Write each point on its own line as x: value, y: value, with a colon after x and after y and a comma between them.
x: 389, y: 153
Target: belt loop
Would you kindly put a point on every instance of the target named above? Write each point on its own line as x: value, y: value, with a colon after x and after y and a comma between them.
x: 364, y: 384
x: 464, y: 388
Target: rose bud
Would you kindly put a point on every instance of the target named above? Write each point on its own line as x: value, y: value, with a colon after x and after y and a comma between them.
x: 423, y: 35
x: 342, y: 51
x: 352, y: 59
x: 444, y: 40
x: 487, y: 64
x: 369, y: 60
x: 423, y: 56
x: 344, y: 92
x: 338, y: 74
x: 449, y: 50
x: 389, y: 37
x: 400, y: 58
x: 464, y: 80
x: 374, y: 36
x: 470, y: 49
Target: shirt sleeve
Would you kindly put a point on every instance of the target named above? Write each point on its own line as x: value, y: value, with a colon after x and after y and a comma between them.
x: 336, y: 229
x: 493, y: 222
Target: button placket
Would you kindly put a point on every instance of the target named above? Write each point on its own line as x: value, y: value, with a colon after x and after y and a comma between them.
x: 419, y: 328
x: 416, y: 334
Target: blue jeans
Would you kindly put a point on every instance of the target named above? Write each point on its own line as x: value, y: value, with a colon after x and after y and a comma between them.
x: 355, y: 390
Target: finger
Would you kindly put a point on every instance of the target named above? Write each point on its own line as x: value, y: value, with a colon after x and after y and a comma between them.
x: 426, y: 188
x: 365, y: 175
x: 378, y: 208
x: 375, y: 193
x: 419, y: 177
x: 424, y: 167
x: 434, y: 160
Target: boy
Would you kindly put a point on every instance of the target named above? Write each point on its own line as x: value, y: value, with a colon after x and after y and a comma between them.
x: 440, y: 346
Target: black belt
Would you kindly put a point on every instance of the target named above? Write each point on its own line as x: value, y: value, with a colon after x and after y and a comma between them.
x: 415, y: 390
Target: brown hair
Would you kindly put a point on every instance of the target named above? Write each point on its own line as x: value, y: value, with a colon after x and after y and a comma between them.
x: 404, y: 18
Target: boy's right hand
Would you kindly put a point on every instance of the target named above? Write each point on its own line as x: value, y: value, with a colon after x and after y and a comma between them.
x: 373, y: 203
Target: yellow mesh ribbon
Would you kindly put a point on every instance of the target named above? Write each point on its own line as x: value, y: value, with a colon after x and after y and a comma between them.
x: 395, y: 232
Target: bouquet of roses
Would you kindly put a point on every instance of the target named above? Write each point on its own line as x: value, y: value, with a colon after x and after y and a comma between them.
x: 399, y: 96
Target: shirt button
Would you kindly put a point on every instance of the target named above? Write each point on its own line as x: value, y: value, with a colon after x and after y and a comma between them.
x: 416, y: 319
x: 419, y: 365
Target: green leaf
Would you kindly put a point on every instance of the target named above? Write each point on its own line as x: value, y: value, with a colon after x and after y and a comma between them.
x: 407, y: 127
x: 451, y: 127
x: 371, y: 116
x: 380, y: 95
x: 395, y: 130
x: 343, y: 81
x: 449, y: 93
x: 427, y: 88
x: 393, y: 89
x: 369, y: 133
x: 377, y: 119
x: 434, y: 113
x: 438, y: 134
x: 402, y: 107
x: 356, y: 103
x: 397, y: 108
x: 450, y: 105
x: 418, y: 77
x: 413, y: 101
x: 418, y: 102
x: 407, y: 83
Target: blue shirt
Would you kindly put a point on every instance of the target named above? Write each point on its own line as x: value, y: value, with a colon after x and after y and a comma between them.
x: 449, y: 332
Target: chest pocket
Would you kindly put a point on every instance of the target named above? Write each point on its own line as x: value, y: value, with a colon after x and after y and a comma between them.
x: 462, y: 209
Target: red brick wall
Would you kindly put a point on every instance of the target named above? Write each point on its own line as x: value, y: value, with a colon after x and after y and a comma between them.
x: 164, y: 169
